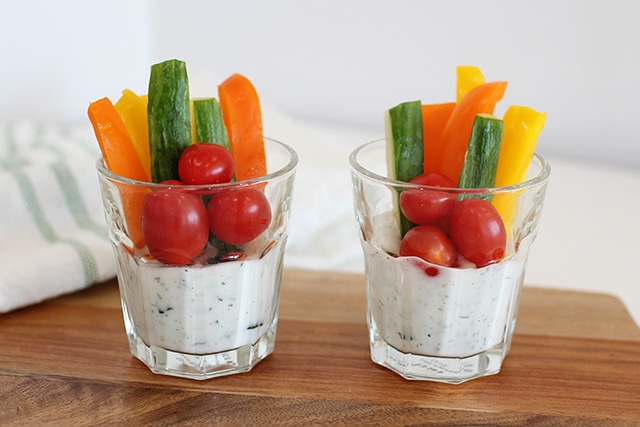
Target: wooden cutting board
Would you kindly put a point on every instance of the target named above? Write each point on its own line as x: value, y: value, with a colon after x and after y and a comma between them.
x: 575, y: 359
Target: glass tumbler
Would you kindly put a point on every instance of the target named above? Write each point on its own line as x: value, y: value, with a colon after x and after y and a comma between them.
x: 218, y: 313
x: 428, y: 321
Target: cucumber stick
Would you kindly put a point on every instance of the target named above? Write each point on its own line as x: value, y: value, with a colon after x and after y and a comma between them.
x: 481, y: 159
x: 169, y: 118
x: 404, y: 149
x: 405, y: 155
x: 209, y: 125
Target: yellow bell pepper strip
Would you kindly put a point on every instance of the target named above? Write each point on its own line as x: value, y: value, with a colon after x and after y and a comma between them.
x: 434, y: 119
x: 121, y: 158
x: 133, y: 111
x: 455, y: 136
x: 242, y: 116
x: 522, y: 127
x: 468, y: 77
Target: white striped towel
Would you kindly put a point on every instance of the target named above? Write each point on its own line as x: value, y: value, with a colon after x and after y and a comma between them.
x: 53, y: 238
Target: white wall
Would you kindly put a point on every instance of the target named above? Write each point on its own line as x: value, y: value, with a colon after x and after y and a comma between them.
x: 344, y: 60
x: 57, y: 56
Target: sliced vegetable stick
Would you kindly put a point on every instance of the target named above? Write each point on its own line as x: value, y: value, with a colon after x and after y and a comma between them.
x: 403, y: 131
x: 115, y: 142
x: 132, y: 201
x: 522, y: 127
x: 243, y: 118
x: 455, y: 137
x: 169, y: 117
x: 208, y: 123
x: 468, y: 77
x: 481, y: 160
x: 133, y: 112
x: 122, y: 159
x: 434, y: 119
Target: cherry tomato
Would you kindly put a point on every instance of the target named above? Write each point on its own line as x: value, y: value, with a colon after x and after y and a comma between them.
x: 434, y: 179
x: 205, y: 163
x: 425, y: 205
x: 239, y: 216
x: 174, y: 225
x: 429, y: 243
x: 477, y: 230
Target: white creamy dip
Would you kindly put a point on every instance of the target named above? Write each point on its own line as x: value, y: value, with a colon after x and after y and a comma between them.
x: 201, y: 309
x: 458, y: 312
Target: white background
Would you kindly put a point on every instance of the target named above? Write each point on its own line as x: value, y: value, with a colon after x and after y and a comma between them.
x: 336, y: 65
x: 343, y: 60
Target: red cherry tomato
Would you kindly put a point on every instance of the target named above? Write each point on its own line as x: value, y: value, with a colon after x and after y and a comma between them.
x: 429, y: 243
x: 205, y: 163
x: 174, y: 225
x: 477, y: 230
x: 239, y: 216
x: 434, y: 179
x: 425, y: 205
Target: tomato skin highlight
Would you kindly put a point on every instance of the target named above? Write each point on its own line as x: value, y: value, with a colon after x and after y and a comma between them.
x: 429, y: 243
x: 174, y: 225
x: 477, y: 230
x: 426, y: 206
x: 239, y: 216
x: 205, y: 163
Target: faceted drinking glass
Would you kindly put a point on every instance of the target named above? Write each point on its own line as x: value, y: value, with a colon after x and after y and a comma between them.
x: 427, y: 321
x: 218, y: 314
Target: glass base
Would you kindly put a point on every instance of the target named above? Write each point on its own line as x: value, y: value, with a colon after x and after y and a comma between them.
x: 203, y: 366
x: 451, y: 370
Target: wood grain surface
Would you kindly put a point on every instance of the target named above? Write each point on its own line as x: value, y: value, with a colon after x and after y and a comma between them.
x: 575, y: 360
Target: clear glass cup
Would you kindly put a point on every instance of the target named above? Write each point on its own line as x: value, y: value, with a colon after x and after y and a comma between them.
x: 217, y: 315
x: 426, y: 321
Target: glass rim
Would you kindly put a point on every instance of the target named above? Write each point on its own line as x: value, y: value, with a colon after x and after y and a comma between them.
x: 541, y: 177
x: 289, y: 167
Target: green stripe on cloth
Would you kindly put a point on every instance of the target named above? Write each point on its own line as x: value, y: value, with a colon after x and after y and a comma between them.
x: 15, y: 163
x: 74, y: 199
x: 87, y: 259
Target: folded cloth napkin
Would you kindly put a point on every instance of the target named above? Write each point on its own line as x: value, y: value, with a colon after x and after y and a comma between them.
x: 53, y: 237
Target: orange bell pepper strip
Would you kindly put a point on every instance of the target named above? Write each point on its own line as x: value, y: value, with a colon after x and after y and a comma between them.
x: 468, y: 77
x: 116, y: 144
x: 133, y: 111
x: 121, y: 158
x: 434, y: 119
x: 242, y: 116
x: 455, y: 136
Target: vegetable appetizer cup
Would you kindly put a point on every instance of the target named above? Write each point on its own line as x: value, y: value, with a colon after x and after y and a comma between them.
x: 450, y: 320
x: 216, y: 312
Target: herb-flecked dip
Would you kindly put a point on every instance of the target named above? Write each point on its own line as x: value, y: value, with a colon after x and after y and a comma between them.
x: 427, y: 309
x: 202, y: 308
